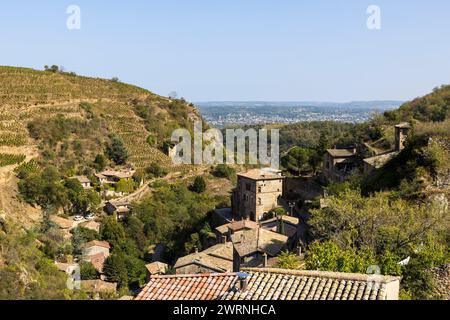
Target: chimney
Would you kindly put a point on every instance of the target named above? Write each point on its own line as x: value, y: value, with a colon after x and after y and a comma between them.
x: 224, y: 239
x: 196, y: 249
x: 265, y: 260
x: 243, y: 280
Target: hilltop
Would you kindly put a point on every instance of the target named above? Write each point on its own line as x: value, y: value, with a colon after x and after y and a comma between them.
x: 434, y: 106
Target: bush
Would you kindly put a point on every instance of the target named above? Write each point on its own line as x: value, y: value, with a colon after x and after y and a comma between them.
x: 199, y: 185
x: 224, y: 171
x: 100, y: 162
x: 155, y: 170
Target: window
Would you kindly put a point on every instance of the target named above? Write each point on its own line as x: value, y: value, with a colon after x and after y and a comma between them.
x: 248, y: 186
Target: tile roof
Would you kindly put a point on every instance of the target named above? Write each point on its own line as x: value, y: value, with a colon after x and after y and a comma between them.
x: 218, y: 258
x: 66, y: 267
x: 157, y: 267
x: 258, y: 240
x: 122, y: 174
x: 98, y: 286
x: 97, y: 260
x: 261, y: 174
x: 341, y: 153
x: 96, y: 243
x: 92, y: 225
x: 403, y: 125
x: 271, y: 284
x: 380, y: 160
x: 236, y: 226
x: 187, y: 287
x: 82, y: 179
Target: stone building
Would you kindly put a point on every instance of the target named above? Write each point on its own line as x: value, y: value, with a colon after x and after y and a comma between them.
x: 218, y: 258
x: 257, y: 192
x: 256, y: 248
x: 339, y: 163
x: 401, y: 134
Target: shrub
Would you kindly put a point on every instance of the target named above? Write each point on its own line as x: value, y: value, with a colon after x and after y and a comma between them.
x: 199, y: 185
x: 155, y: 170
x: 224, y: 171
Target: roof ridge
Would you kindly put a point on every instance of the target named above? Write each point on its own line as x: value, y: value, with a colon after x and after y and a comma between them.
x: 327, y: 274
x: 221, y: 274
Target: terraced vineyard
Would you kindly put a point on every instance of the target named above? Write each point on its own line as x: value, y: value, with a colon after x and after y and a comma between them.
x: 27, y: 94
x: 7, y: 159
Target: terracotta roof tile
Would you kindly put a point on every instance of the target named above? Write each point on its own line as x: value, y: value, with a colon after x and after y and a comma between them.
x: 266, y: 284
x: 96, y: 243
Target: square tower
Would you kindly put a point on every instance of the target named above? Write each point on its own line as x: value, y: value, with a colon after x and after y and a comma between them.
x: 401, y: 133
x: 256, y: 193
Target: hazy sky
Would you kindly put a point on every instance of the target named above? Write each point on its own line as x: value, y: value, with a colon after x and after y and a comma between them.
x: 240, y: 49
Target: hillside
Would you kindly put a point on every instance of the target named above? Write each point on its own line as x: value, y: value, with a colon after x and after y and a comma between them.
x: 66, y: 120
x: 434, y: 106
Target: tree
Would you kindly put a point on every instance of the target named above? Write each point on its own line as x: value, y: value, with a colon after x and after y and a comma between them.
x: 117, y: 151
x: 88, y: 271
x: 288, y: 260
x: 193, y: 243
x: 155, y: 170
x: 136, y: 271
x: 125, y: 185
x: 199, y: 185
x: 112, y: 231
x: 115, y: 269
x: 100, y: 162
x: 134, y: 229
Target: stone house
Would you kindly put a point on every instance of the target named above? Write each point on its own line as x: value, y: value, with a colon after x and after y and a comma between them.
x: 256, y: 248
x: 339, y: 163
x: 156, y: 268
x: 218, y: 258
x: 257, y: 192
x: 120, y: 208
x: 94, y: 247
x: 85, y: 182
x: 113, y: 176
x: 91, y: 225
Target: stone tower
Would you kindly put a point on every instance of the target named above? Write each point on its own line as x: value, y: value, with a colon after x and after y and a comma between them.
x: 401, y: 133
x: 256, y: 193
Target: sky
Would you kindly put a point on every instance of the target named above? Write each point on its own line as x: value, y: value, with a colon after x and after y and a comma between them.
x: 240, y: 50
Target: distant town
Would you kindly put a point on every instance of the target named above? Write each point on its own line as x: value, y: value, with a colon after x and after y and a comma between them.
x: 224, y: 114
